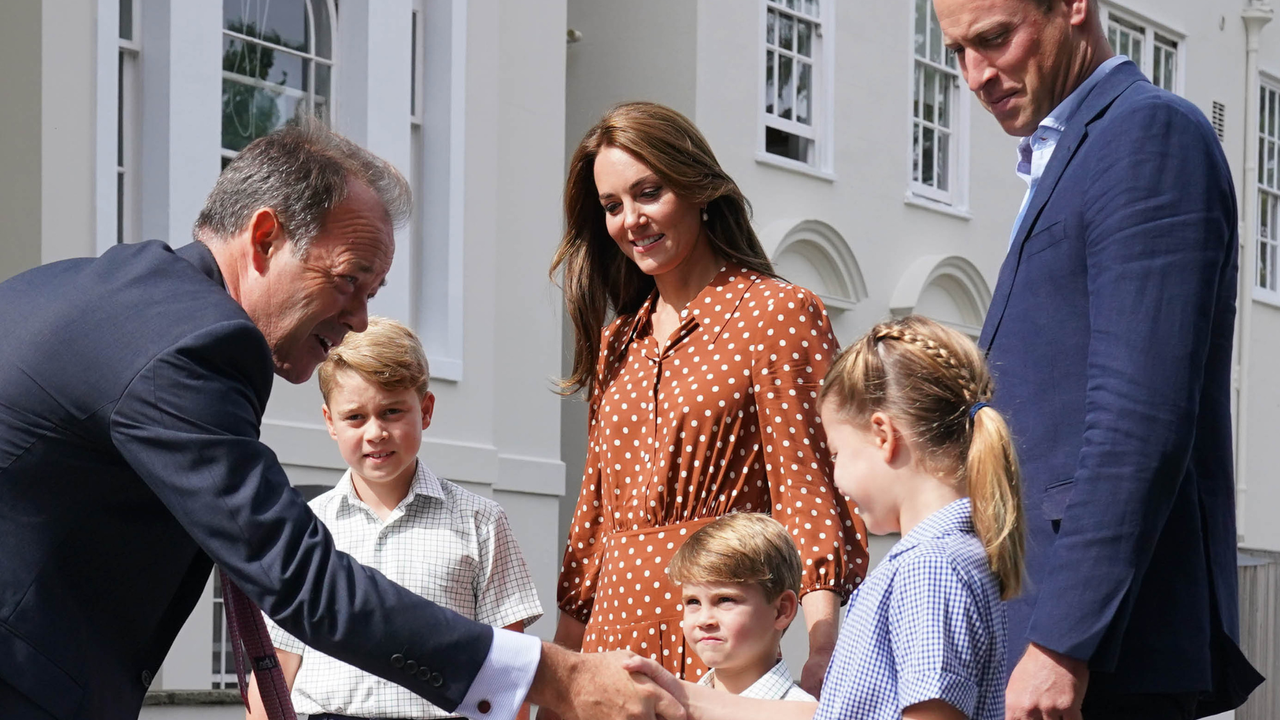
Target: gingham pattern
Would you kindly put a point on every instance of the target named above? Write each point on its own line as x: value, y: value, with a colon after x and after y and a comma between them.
x: 448, y: 545
x: 926, y: 624
x: 773, y: 685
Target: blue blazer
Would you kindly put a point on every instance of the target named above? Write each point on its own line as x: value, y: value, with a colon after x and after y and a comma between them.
x: 1110, y: 338
x: 131, y: 393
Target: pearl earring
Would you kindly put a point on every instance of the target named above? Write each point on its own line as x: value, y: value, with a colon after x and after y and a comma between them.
x: 704, y: 214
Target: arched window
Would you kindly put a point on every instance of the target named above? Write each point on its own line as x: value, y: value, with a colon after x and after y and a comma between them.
x: 948, y: 289
x: 812, y: 254
x: 277, y: 62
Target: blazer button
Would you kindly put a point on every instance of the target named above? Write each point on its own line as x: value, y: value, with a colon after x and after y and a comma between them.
x: 147, y: 677
x: 435, y: 680
x: 411, y: 667
x: 397, y: 660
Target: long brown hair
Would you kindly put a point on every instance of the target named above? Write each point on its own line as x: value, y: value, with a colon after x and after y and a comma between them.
x: 597, y: 277
x: 928, y: 377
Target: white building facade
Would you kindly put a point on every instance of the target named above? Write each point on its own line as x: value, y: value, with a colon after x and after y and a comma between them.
x: 876, y: 181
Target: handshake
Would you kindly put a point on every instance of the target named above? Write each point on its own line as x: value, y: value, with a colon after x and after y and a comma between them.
x: 605, y: 686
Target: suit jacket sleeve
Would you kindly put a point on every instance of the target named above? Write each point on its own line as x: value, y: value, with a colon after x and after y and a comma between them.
x: 188, y: 424
x: 1159, y: 224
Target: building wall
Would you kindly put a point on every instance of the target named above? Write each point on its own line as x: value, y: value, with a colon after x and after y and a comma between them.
x: 20, y: 191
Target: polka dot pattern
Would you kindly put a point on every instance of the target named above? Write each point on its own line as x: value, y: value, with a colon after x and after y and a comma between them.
x: 724, y: 418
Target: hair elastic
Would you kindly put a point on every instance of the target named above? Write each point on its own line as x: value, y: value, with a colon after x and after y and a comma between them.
x: 973, y: 411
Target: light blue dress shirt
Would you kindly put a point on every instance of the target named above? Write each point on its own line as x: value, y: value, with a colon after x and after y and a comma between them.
x: 1035, y: 150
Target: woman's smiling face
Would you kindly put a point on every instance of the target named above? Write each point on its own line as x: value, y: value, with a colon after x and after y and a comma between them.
x: 653, y: 226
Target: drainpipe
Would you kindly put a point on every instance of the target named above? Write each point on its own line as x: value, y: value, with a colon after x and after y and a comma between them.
x: 1256, y: 15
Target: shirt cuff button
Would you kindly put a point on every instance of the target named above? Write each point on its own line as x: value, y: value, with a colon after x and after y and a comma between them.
x: 484, y: 707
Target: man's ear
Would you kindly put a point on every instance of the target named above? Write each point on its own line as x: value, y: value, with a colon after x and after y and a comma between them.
x: 785, y: 607
x: 428, y: 407
x: 328, y: 420
x: 266, y: 238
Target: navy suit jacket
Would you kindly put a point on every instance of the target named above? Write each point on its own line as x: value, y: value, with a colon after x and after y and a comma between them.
x: 1110, y: 338
x: 132, y: 389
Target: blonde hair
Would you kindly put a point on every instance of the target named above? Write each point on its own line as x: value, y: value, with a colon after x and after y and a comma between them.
x: 740, y: 548
x: 927, y: 378
x: 597, y: 278
x: 386, y: 354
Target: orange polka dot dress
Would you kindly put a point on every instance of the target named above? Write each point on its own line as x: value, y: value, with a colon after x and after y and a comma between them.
x: 724, y: 419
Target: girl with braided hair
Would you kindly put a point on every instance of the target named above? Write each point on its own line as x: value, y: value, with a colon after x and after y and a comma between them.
x: 917, y: 447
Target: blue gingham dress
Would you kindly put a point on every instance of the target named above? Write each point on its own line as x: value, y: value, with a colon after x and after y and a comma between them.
x: 927, y: 623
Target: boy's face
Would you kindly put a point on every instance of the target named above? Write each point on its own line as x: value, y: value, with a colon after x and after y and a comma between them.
x: 732, y: 626
x: 378, y: 431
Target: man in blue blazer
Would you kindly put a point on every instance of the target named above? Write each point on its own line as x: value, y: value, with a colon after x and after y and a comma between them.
x: 1110, y: 337
x: 132, y: 389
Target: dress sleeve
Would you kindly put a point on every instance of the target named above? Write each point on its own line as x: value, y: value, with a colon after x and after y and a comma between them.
x: 791, y: 355
x: 577, y: 589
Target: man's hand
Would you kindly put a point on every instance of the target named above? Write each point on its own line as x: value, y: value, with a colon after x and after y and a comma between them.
x: 591, y: 686
x: 1046, y: 685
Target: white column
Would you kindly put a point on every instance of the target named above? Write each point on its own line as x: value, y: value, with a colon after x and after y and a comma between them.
x: 68, y: 80
x: 182, y: 113
x: 106, y: 79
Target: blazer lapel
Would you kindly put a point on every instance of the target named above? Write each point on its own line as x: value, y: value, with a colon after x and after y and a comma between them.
x: 1093, y: 106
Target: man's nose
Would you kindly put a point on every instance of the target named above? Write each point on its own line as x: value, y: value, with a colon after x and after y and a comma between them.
x: 356, y: 315
x: 977, y: 71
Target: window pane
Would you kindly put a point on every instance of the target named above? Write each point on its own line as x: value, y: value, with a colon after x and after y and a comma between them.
x: 324, y: 74
x: 1263, y: 94
x: 922, y: 24
x: 785, y: 144
x: 1271, y: 164
x: 259, y: 62
x: 120, y: 110
x: 249, y: 112
x: 1170, y: 57
x: 802, y: 93
x: 770, y: 22
x: 119, y: 207
x: 935, y: 38
x: 812, y: 7
x: 918, y: 90
x: 926, y: 169
x: 791, y: 4
x: 324, y: 40
x: 804, y: 39
x: 1136, y: 45
x: 786, y: 87
x: 786, y: 29
x: 126, y: 19
x: 930, y: 94
x: 943, y: 159
x: 1273, y: 111
x: 944, y: 100
x: 1113, y: 39
x: 769, y: 92
x: 283, y: 22
x: 915, y: 152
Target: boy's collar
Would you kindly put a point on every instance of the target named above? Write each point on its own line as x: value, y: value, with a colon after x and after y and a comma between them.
x: 425, y: 483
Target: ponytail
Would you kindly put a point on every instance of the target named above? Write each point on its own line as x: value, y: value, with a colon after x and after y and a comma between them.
x: 996, y: 496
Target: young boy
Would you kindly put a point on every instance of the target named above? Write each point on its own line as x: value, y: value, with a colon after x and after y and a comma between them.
x: 739, y: 579
x: 391, y: 513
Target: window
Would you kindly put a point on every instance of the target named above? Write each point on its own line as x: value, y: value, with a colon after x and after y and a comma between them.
x: 938, y: 112
x: 277, y: 62
x: 1155, y: 51
x: 1268, y: 187
x: 128, y: 147
x: 796, y: 82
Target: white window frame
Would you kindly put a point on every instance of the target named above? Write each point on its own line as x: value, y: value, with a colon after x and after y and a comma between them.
x: 822, y: 90
x: 309, y: 96
x: 128, y: 129
x: 955, y: 199
x: 1152, y: 33
x: 1267, y: 249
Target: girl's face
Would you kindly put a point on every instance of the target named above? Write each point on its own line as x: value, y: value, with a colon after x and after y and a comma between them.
x: 864, y: 467
x: 651, y: 225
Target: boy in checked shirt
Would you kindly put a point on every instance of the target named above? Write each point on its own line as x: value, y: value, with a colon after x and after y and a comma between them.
x: 391, y: 513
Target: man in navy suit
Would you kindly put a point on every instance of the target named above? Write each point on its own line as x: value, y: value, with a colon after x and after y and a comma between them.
x: 1110, y: 336
x: 132, y: 388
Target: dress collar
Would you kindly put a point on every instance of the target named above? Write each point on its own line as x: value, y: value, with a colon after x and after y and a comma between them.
x: 709, y: 310
x: 956, y: 517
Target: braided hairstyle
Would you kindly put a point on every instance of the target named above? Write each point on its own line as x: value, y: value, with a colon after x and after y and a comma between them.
x: 927, y: 377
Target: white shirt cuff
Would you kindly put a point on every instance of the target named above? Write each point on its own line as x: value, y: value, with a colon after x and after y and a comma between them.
x: 504, y: 679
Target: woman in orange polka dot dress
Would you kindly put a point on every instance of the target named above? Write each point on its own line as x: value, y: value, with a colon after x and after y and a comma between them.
x: 702, y: 391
